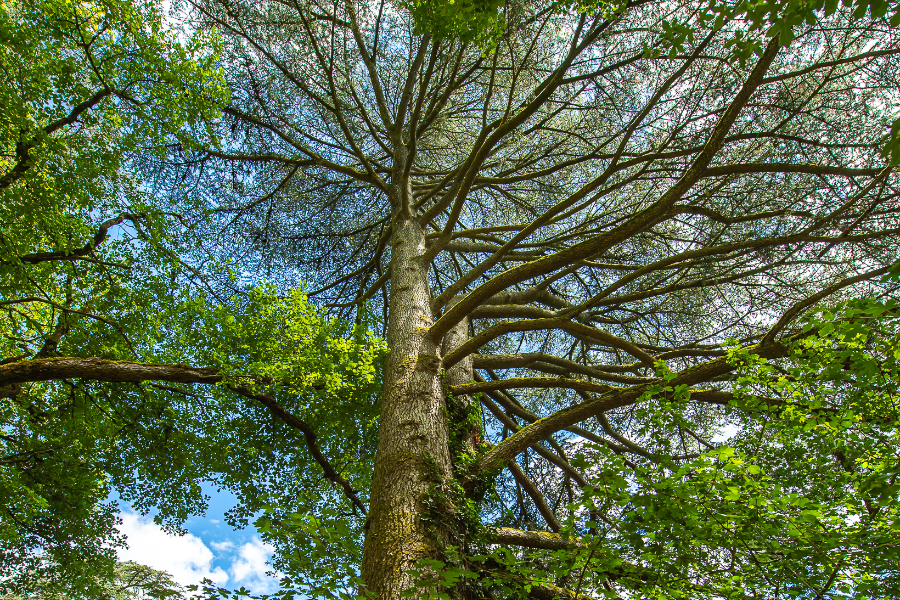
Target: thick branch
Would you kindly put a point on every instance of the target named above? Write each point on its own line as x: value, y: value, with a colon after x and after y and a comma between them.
x: 23, y: 149
x: 547, y: 591
x: 513, y: 408
x: 311, y: 441
x: 788, y: 168
x: 98, y: 369
x: 536, y: 360
x: 559, y: 461
x: 530, y: 382
x: 577, y: 329
x: 77, y: 253
x: 542, y: 540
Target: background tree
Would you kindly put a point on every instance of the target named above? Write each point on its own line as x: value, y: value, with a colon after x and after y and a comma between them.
x: 83, y: 84
x: 131, y: 581
x: 138, y: 582
x: 90, y: 269
x: 565, y: 232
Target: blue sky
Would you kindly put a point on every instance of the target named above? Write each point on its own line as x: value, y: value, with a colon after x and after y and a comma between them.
x: 210, y: 548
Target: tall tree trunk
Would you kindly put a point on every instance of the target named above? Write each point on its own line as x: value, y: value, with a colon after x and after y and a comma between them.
x: 413, y: 448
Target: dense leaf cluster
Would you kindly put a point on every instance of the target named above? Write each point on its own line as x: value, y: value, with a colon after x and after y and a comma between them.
x: 91, y: 266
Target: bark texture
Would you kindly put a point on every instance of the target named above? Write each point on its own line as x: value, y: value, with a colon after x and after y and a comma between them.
x: 459, y: 374
x: 413, y: 448
x: 71, y: 367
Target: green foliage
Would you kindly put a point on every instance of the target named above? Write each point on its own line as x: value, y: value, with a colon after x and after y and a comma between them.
x: 260, y: 339
x: 68, y: 444
x: 129, y: 581
x: 803, y: 499
x: 327, y: 546
x: 841, y: 393
x: 805, y: 495
x: 139, y: 582
x: 466, y: 428
x: 453, y: 507
x: 83, y: 85
x: 449, y: 510
x: 90, y: 267
x: 483, y: 22
x: 479, y: 21
x: 442, y: 579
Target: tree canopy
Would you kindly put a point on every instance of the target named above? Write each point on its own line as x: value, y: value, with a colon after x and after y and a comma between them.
x: 130, y: 581
x: 92, y: 274
x: 460, y: 300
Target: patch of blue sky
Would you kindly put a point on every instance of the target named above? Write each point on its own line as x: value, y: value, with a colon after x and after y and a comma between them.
x: 210, y: 548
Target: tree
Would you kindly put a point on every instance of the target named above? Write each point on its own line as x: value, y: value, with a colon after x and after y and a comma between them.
x: 89, y: 268
x: 131, y: 581
x: 564, y: 231
x: 135, y: 581
x: 82, y: 84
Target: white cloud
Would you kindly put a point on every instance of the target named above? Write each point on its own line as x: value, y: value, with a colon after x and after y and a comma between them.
x: 189, y: 560
x: 222, y: 546
x: 185, y: 557
x: 249, y: 569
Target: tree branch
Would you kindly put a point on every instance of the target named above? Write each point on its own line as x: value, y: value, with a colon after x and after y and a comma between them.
x: 639, y: 222
x: 99, y: 237
x: 96, y: 369
x: 23, y: 149
x: 559, y: 461
x: 617, y: 398
x: 530, y: 382
x: 577, y: 329
x: 311, y: 441
x: 788, y: 168
x: 536, y: 496
x: 541, y: 540
x: 534, y: 360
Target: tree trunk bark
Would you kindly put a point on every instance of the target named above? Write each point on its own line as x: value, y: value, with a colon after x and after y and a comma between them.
x: 413, y: 453
x: 465, y: 435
